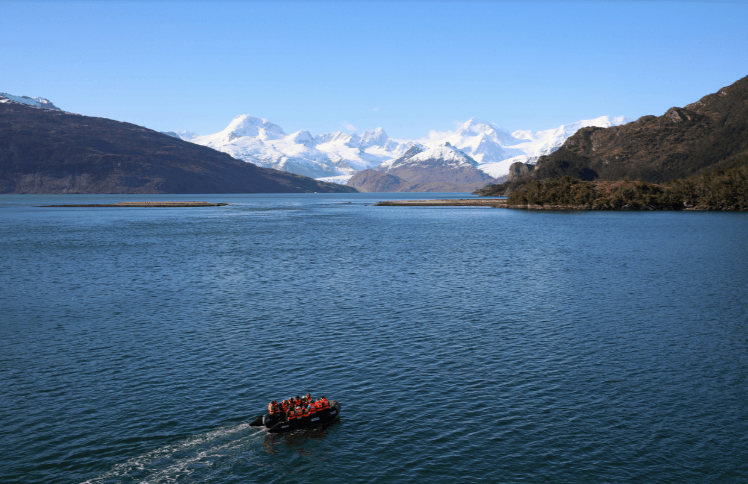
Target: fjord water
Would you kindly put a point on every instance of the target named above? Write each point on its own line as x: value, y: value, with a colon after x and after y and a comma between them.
x: 464, y: 344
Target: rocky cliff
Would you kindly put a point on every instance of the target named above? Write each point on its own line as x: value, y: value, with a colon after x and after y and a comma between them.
x: 519, y: 170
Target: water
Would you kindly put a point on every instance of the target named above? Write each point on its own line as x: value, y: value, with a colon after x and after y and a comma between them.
x: 464, y: 344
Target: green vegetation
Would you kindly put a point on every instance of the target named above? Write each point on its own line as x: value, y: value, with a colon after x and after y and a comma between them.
x: 723, y: 188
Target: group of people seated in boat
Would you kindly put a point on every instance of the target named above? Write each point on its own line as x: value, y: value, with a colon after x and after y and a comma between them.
x: 299, y: 407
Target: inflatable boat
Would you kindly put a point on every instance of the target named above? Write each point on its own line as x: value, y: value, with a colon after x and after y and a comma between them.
x: 275, y: 425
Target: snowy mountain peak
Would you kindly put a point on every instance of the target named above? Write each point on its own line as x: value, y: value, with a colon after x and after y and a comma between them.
x: 442, y: 155
x: 446, y: 153
x: 476, y: 126
x: 339, y: 138
x: 248, y: 125
x: 38, y: 102
x: 468, y: 136
x: 302, y: 138
x: 187, y: 135
x: 374, y: 138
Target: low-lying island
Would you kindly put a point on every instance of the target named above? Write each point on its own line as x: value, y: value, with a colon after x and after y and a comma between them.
x: 143, y: 204
x: 455, y: 202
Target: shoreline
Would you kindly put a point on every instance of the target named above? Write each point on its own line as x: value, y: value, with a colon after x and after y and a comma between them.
x: 503, y: 203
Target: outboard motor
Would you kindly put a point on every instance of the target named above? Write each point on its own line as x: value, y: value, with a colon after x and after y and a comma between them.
x: 270, y: 420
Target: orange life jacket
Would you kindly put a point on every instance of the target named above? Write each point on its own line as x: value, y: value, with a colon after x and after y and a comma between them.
x: 291, y: 415
x: 285, y: 406
x: 305, y: 412
x: 312, y: 410
x: 325, y: 404
x: 272, y: 408
x: 297, y: 402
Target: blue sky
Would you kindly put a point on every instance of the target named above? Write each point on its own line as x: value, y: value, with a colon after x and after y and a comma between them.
x: 407, y: 67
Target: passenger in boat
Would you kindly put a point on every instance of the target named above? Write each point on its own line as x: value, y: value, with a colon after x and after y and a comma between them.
x: 308, y: 398
x: 297, y: 401
x: 325, y: 403
x: 273, y: 407
x: 312, y: 410
x: 305, y: 413
x: 291, y: 415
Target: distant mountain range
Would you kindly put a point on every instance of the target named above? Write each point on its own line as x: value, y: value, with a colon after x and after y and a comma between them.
x: 682, y: 142
x: 264, y: 143
x: 46, y: 150
x: 338, y: 156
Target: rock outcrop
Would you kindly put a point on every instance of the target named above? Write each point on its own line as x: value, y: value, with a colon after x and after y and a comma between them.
x: 519, y: 170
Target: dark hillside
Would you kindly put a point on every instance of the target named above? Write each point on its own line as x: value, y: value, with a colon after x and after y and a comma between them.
x: 680, y: 143
x: 48, y: 151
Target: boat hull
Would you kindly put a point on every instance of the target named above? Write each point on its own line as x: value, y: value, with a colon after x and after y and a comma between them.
x: 276, y: 426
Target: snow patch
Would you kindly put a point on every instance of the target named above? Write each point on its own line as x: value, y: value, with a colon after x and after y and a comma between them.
x: 38, y: 102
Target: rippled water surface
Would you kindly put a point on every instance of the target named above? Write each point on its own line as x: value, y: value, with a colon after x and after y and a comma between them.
x: 464, y: 344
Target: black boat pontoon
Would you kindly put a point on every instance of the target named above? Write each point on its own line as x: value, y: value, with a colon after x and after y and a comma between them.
x: 276, y: 424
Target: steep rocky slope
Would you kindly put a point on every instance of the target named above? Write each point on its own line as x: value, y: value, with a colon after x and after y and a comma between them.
x: 51, y: 151
x: 680, y: 143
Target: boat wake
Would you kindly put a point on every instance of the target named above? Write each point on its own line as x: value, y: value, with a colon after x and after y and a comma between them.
x: 198, y: 457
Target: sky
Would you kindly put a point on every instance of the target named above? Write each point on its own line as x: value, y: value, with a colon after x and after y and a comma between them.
x: 349, y: 65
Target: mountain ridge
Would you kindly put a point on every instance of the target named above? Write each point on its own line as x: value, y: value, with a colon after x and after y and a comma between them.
x: 339, y: 153
x: 46, y: 150
x: 680, y: 143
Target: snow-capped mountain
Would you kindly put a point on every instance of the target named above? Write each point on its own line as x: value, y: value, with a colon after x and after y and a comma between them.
x: 438, y: 168
x: 483, y: 141
x: 38, y: 102
x: 440, y: 155
x: 264, y: 143
x: 337, y: 154
x: 495, y: 149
